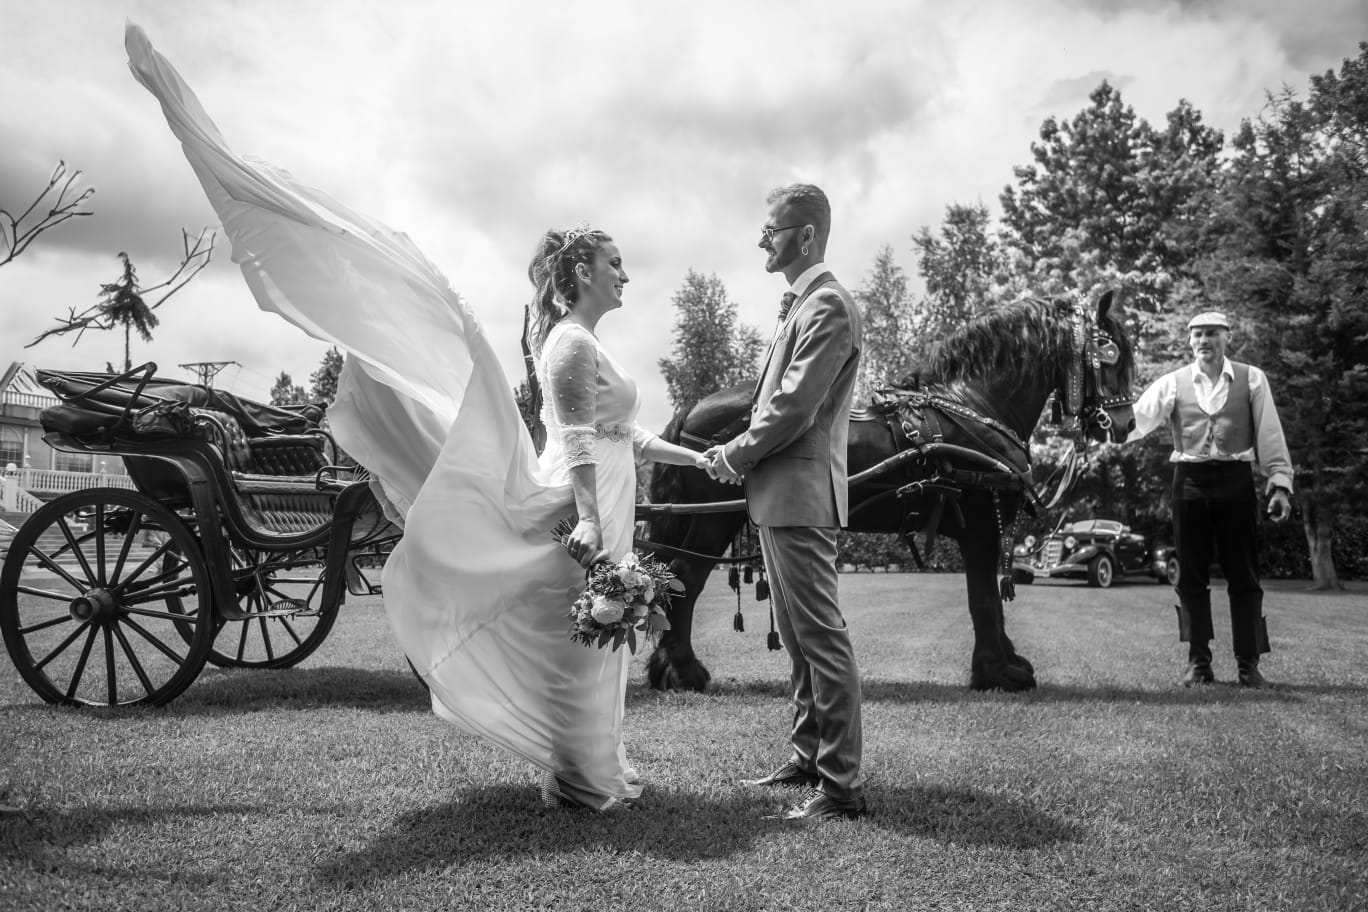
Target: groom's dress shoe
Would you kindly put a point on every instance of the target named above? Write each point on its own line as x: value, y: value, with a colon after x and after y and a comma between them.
x: 818, y: 806
x: 789, y: 774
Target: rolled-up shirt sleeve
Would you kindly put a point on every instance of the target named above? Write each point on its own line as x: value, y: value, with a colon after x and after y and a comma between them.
x: 1270, y: 446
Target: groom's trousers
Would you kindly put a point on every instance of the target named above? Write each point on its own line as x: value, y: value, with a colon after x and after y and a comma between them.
x: 827, y: 738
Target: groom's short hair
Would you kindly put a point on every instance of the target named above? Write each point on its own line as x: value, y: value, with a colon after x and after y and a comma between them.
x: 808, y: 204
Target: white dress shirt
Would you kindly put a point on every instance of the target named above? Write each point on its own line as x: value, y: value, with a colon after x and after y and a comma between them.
x: 1155, y: 406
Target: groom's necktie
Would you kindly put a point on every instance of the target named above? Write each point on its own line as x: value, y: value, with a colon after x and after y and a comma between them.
x: 785, y: 303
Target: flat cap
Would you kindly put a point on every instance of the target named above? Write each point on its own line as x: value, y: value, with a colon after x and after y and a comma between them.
x: 1209, y: 318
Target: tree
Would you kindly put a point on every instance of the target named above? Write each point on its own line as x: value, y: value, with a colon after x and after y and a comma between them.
x: 711, y: 349
x: 324, y: 380
x: 962, y: 269
x: 124, y: 302
x: 285, y: 392
x: 1110, y: 200
x: 888, y: 353
x: 1291, y: 264
x: 15, y: 237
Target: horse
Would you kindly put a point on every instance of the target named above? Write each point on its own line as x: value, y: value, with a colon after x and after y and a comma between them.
x: 948, y: 455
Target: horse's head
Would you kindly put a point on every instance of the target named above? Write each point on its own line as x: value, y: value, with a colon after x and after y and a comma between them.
x: 1098, y: 388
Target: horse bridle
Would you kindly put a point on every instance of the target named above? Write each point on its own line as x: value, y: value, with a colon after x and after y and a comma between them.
x: 1083, y: 394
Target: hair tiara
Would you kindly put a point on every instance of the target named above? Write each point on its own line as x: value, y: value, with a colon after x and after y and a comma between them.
x: 574, y: 234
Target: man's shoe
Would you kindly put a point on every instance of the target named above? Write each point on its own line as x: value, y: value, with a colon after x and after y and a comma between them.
x: 1249, y: 673
x: 818, y: 806
x: 1199, y: 665
x: 1197, y: 673
x: 787, y: 775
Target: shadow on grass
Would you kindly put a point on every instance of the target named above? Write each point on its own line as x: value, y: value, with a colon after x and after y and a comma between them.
x: 504, y: 824
x: 875, y: 691
x: 36, y: 829
x: 230, y: 690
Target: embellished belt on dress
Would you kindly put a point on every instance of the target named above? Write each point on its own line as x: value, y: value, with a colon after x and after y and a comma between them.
x: 614, y: 433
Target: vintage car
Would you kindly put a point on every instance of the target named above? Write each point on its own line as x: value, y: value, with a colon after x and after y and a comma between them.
x: 1098, y: 550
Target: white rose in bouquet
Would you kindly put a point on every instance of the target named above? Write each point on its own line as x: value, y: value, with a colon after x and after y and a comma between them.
x: 608, y: 611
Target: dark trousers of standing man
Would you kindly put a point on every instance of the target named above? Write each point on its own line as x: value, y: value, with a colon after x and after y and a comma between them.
x: 827, y: 737
x: 1215, y: 517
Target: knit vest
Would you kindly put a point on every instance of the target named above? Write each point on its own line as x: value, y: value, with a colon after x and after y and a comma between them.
x: 1232, y: 428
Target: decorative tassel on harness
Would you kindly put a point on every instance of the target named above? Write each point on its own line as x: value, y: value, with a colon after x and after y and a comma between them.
x: 734, y: 580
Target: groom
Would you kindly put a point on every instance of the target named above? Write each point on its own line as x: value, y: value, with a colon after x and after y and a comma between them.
x: 793, y: 458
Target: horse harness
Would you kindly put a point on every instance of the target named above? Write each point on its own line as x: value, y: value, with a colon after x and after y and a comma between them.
x: 997, y: 461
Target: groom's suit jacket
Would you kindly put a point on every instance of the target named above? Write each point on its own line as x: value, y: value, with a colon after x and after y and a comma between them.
x: 793, y: 455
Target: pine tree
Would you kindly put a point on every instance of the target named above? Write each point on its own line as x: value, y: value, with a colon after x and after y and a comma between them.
x: 324, y: 380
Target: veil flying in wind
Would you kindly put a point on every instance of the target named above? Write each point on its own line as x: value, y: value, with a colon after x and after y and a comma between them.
x: 472, y: 589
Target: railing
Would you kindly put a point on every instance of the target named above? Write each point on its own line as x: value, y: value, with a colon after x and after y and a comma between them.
x: 17, y: 487
x: 55, y: 481
x: 29, y: 400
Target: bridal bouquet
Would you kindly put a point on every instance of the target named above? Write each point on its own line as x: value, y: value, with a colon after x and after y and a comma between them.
x: 620, y: 598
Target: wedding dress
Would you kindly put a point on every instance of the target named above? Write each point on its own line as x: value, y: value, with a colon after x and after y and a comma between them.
x: 477, y: 591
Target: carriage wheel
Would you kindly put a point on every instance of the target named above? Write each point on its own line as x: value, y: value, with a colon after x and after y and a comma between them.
x: 85, y: 601
x: 282, y: 592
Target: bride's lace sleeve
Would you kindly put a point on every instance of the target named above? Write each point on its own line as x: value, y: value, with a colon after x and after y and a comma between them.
x: 641, y: 438
x: 572, y: 374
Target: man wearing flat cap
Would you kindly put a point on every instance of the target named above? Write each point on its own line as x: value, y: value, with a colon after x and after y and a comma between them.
x: 1224, y: 424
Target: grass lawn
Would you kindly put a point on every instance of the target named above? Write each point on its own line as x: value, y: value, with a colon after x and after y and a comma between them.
x: 331, y: 786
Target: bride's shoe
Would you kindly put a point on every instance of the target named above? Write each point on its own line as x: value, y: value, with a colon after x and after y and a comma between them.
x: 553, y: 798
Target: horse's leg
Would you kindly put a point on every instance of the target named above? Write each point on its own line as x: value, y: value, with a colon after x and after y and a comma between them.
x: 673, y: 665
x: 994, y: 665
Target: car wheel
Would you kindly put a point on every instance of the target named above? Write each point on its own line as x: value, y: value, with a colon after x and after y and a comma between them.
x: 1023, y: 577
x: 1171, y: 571
x: 1100, y: 571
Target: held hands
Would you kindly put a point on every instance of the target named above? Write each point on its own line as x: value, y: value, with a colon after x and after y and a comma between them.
x: 585, y: 543
x: 717, y: 469
x: 1279, y: 506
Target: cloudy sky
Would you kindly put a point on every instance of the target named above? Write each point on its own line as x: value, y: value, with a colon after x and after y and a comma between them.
x: 475, y: 126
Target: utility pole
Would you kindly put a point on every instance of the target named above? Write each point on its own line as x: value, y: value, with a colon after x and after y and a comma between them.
x: 206, y: 371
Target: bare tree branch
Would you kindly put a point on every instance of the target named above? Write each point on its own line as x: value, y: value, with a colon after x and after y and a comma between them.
x: 197, y: 255
x: 14, y: 239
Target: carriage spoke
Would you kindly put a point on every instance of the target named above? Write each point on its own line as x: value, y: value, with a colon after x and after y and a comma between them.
x: 154, y: 556
x: 134, y: 526
x: 56, y: 568
x: 63, y: 618
x: 289, y: 628
x: 172, y: 616
x: 76, y: 550
x: 109, y: 666
x: 43, y: 593
x: 80, y: 665
x: 132, y: 586
x: 265, y: 639
x: 242, y: 641
x: 100, y: 557
x: 166, y: 650
x: 143, y: 596
x: 61, y: 647
x: 133, y: 660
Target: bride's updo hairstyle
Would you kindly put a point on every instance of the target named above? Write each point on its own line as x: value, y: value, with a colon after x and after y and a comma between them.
x: 552, y: 273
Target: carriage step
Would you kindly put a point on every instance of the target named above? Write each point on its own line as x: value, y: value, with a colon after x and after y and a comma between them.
x: 282, y: 608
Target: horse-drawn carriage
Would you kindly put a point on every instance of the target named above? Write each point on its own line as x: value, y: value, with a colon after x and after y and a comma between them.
x: 237, y: 547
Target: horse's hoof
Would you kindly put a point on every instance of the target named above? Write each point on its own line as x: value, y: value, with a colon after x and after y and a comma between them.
x: 1004, y: 676
x: 678, y: 674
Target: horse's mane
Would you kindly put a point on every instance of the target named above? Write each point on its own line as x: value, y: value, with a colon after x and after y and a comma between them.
x: 1008, y: 339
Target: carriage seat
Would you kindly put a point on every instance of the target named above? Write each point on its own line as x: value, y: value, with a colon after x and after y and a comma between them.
x: 275, y: 476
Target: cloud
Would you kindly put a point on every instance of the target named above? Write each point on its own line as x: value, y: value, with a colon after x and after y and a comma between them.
x: 475, y: 127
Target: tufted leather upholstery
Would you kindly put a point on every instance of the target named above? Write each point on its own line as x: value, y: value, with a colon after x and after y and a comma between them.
x: 275, y: 476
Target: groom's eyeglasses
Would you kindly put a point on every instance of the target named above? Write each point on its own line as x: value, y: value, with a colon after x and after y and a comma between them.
x: 769, y: 232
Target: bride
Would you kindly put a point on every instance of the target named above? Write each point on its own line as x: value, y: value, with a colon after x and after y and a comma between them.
x: 477, y: 591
